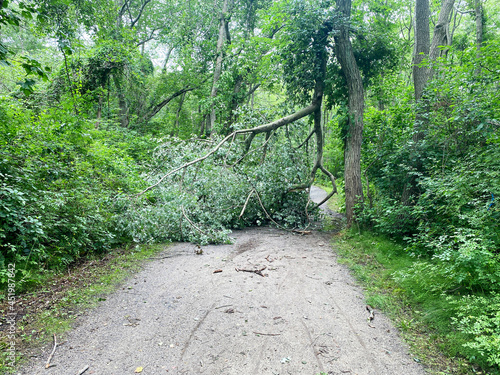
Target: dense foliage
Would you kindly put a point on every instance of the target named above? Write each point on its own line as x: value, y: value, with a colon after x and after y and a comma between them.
x: 101, y: 100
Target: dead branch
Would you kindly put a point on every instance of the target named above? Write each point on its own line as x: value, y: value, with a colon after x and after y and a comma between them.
x: 47, y: 365
x: 192, y: 224
x: 302, y: 232
x: 83, y: 370
x: 332, y: 180
x: 258, y: 272
x: 307, y: 139
x: 246, y: 203
x: 267, y: 214
x: 220, y: 307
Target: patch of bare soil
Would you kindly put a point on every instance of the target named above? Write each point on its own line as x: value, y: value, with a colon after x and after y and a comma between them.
x: 274, y: 302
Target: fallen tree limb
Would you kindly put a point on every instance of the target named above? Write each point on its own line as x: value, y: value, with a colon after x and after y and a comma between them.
x: 257, y: 130
x: 307, y: 139
x: 193, y: 224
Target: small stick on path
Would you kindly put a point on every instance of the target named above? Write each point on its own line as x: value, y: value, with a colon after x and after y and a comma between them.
x: 83, y: 370
x: 47, y: 365
x: 267, y: 334
x: 258, y: 272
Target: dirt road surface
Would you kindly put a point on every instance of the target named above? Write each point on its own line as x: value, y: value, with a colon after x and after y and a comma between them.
x: 197, y: 314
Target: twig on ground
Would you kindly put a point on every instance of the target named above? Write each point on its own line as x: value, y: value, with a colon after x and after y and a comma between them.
x: 83, y: 370
x: 302, y: 232
x: 220, y: 307
x: 258, y: 272
x: 47, y: 365
x: 267, y: 334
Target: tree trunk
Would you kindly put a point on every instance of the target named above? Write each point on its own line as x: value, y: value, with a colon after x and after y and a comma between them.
x: 167, y: 57
x: 478, y: 10
x: 223, y: 37
x: 177, y: 115
x: 99, y: 112
x: 122, y: 103
x: 441, y: 35
x: 422, y: 46
x: 352, y: 151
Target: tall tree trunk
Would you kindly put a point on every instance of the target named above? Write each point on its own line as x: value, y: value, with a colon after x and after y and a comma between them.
x: 422, y: 46
x: 99, y: 111
x: 478, y: 10
x: 178, y: 114
x: 425, y: 49
x: 223, y: 37
x: 356, y: 103
x: 441, y: 36
x: 167, y: 57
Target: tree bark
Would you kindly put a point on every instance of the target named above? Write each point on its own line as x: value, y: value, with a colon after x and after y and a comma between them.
x: 441, y: 35
x: 422, y: 46
x: 478, y: 10
x: 352, y: 150
x: 178, y: 114
x: 223, y: 37
x: 153, y: 110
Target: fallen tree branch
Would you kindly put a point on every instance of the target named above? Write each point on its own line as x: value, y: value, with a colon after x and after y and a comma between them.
x: 257, y: 130
x: 246, y: 203
x: 258, y: 272
x: 307, y: 139
x: 47, y: 365
x: 267, y: 214
x: 193, y: 224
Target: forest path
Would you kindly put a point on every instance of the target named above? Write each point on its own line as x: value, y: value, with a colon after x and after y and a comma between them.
x: 306, y: 315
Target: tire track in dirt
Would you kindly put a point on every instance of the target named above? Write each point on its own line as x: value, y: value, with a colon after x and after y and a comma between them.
x: 289, y: 322
x: 196, y: 327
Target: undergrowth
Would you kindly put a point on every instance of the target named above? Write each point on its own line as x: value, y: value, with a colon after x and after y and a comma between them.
x: 448, y: 331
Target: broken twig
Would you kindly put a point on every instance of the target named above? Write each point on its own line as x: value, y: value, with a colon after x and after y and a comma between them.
x: 258, y: 272
x: 83, y: 370
x: 267, y: 334
x: 47, y: 365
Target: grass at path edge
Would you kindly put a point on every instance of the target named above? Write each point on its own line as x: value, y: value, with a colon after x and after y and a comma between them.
x: 52, y: 307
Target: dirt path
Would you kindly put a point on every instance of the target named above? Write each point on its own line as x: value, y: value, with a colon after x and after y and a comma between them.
x: 305, y: 316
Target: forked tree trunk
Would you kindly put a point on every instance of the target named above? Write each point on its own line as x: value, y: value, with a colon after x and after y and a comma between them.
x: 441, y: 35
x: 356, y: 103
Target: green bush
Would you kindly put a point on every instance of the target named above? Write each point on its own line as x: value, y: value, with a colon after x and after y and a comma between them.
x: 478, y: 318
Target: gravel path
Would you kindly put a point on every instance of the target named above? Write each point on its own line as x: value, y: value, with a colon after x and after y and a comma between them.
x: 304, y: 316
